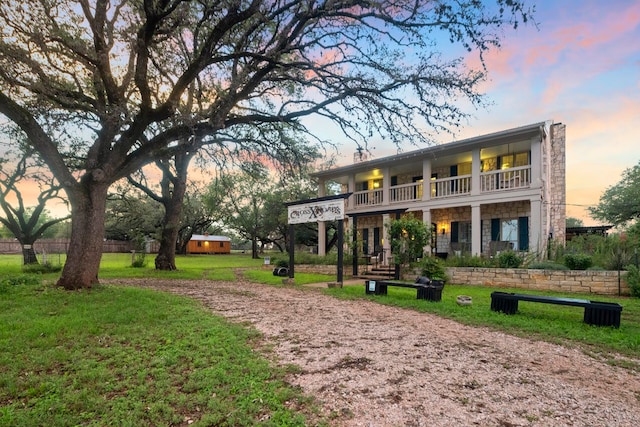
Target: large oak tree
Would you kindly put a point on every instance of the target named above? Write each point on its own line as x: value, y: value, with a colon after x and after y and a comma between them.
x: 103, y: 87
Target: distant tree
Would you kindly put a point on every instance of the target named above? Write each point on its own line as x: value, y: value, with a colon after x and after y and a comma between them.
x: 21, y: 166
x: 172, y: 188
x: 574, y: 222
x: 196, y: 218
x: 131, y: 215
x: 103, y: 88
x: 620, y: 203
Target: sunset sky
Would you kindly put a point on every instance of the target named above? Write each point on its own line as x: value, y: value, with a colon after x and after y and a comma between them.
x: 581, y: 67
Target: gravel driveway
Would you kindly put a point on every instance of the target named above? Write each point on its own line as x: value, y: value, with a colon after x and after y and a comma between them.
x: 372, y: 365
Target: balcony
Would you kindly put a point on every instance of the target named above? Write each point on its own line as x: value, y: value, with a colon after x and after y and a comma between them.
x: 506, y: 179
x: 456, y: 186
x: 368, y: 197
x: 405, y: 192
x: 449, y: 187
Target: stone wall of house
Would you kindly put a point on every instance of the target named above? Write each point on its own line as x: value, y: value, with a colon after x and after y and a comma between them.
x: 594, y: 282
x: 558, y: 194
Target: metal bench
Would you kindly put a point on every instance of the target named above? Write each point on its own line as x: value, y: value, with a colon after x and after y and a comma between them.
x: 595, y: 312
x: 430, y: 290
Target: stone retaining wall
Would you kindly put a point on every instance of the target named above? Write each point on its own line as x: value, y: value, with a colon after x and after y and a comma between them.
x: 575, y: 281
x: 594, y: 282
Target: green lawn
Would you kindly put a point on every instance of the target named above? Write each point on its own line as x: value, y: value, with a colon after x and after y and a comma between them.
x: 132, y: 357
x: 128, y: 356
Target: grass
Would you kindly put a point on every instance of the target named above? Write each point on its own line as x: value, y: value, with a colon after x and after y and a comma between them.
x: 129, y: 357
x: 559, y: 324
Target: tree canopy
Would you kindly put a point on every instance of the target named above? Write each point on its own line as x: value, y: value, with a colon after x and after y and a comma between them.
x: 409, y: 236
x: 101, y: 88
x: 620, y: 203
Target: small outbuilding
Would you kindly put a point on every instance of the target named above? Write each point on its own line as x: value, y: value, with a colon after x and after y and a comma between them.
x: 208, y: 244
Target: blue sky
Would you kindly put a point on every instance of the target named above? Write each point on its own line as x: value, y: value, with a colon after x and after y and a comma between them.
x: 581, y: 67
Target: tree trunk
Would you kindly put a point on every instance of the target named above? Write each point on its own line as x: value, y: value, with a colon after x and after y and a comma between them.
x: 173, y: 190
x: 166, y: 258
x: 254, y: 248
x: 29, y: 255
x: 87, y: 235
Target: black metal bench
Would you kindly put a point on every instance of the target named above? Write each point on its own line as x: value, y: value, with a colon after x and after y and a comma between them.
x: 595, y: 312
x: 430, y: 291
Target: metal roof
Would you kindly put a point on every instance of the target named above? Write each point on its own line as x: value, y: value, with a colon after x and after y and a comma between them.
x: 449, y: 148
x: 210, y: 238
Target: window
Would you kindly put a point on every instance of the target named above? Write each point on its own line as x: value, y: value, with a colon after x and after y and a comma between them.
x: 509, y: 232
x: 199, y: 244
x: 514, y: 231
x: 464, y: 168
x: 522, y: 159
x: 464, y: 232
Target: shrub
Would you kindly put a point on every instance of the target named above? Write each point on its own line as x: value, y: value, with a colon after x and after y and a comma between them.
x: 578, y: 261
x: 547, y: 265
x: 633, y: 280
x: 41, y: 268
x: 139, y: 260
x: 468, y: 261
x: 509, y: 259
x: 433, y: 268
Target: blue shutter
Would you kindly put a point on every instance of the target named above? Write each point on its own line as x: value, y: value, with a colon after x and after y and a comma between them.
x: 495, y: 229
x: 454, y: 231
x: 523, y: 233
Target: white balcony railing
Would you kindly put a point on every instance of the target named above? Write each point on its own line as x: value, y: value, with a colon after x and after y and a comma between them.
x: 491, y: 181
x: 506, y: 179
x: 368, y: 197
x: 405, y: 192
x: 453, y: 186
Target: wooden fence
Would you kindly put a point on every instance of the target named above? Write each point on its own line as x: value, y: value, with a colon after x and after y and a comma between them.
x: 61, y: 246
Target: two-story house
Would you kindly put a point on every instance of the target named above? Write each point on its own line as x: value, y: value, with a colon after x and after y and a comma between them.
x: 504, y: 190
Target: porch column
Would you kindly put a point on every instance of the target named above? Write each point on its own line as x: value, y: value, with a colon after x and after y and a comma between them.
x: 351, y: 188
x: 386, y: 242
x: 426, y: 182
x: 475, y: 171
x: 426, y: 219
x: 322, y: 238
x: 536, y: 163
x: 322, y: 226
x: 476, y: 230
x: 386, y: 186
x: 537, y: 239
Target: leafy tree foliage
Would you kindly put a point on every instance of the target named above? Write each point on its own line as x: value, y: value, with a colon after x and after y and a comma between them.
x: 574, y: 222
x: 131, y: 215
x: 409, y: 236
x: 252, y: 203
x: 620, y: 203
x: 102, y: 88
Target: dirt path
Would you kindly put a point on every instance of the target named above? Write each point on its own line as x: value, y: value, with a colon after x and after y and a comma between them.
x: 371, y: 365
